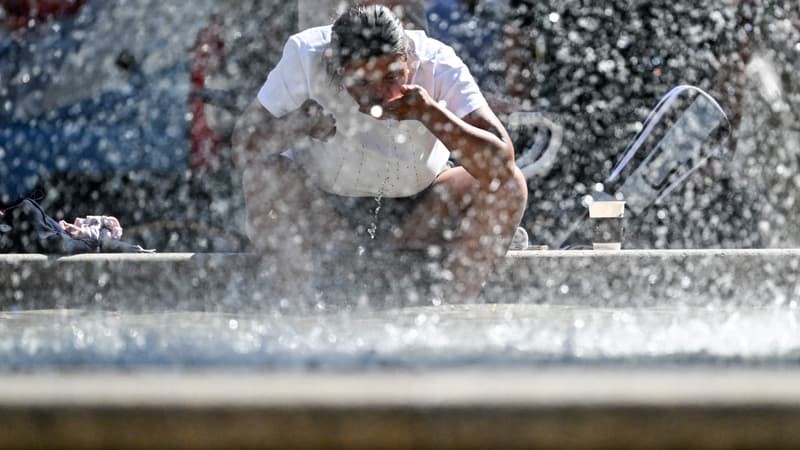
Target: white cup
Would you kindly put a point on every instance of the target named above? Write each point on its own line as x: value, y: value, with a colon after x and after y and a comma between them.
x: 607, y: 226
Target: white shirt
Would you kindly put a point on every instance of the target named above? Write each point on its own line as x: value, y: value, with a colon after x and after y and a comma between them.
x: 369, y: 157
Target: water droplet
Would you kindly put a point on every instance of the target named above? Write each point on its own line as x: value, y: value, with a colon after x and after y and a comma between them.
x: 376, y: 111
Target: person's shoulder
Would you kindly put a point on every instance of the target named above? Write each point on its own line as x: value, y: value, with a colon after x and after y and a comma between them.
x: 424, y: 46
x: 314, y: 39
x: 430, y: 50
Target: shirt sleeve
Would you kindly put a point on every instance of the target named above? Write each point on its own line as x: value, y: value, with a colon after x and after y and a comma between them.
x: 286, y: 87
x: 454, y: 85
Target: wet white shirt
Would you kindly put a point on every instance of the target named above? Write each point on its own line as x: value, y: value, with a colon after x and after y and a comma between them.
x: 369, y: 157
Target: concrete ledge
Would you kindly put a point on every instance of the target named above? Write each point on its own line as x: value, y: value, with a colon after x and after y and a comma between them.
x: 745, y: 277
x: 485, y: 409
x: 196, y: 281
x: 125, y: 281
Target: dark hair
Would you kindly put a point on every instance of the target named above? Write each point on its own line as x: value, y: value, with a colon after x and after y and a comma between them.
x: 361, y: 33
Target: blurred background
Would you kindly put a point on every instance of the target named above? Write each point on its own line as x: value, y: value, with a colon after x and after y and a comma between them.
x: 126, y: 108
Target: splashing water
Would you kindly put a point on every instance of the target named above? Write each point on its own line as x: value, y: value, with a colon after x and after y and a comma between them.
x: 372, y: 229
x: 421, y: 337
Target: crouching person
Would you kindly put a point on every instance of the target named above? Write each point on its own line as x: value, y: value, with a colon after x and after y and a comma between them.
x: 366, y: 132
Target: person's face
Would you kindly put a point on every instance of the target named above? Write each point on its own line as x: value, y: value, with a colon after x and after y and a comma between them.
x: 377, y: 81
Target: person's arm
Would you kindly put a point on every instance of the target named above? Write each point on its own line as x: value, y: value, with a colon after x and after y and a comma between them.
x: 283, y: 110
x: 258, y: 132
x: 478, y: 140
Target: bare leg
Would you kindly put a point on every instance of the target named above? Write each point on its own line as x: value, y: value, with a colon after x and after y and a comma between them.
x: 286, y: 221
x: 475, y: 226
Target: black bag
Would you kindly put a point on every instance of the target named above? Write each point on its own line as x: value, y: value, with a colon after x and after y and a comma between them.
x: 26, y: 228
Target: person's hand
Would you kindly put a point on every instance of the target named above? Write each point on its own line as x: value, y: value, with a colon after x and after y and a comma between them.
x: 111, y: 223
x: 411, y: 105
x: 71, y: 229
x: 312, y: 120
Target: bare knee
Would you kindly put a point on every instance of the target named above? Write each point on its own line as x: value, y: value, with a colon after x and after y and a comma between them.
x: 509, y: 200
x: 273, y: 191
x: 515, y: 194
